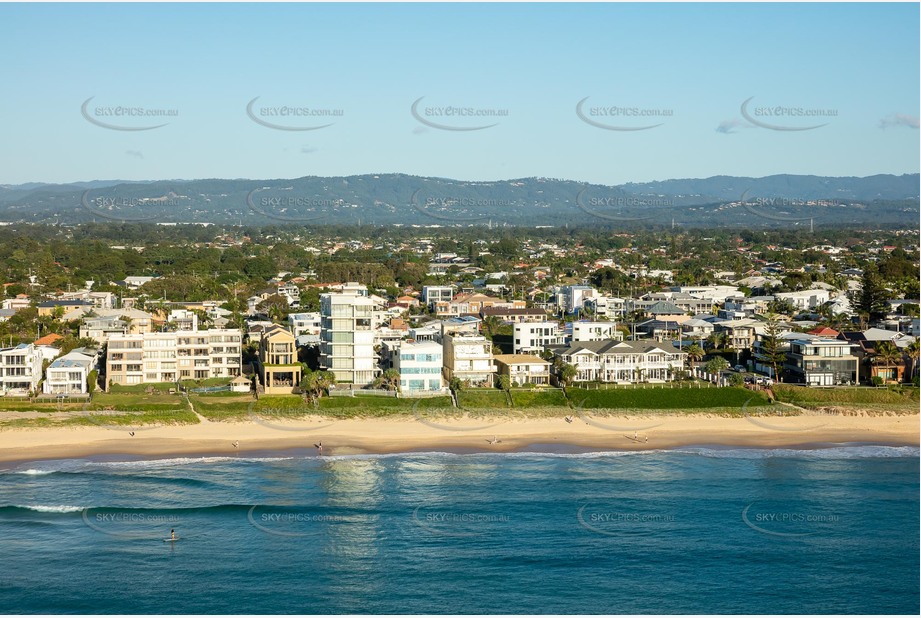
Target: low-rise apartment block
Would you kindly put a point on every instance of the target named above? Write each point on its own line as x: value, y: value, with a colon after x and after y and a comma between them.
x: 173, y: 356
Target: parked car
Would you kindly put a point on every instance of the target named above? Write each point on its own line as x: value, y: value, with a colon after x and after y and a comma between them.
x: 740, y: 368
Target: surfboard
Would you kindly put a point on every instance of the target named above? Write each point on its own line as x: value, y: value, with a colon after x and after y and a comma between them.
x: 170, y: 540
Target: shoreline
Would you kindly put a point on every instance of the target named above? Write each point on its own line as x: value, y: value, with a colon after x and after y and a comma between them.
x: 488, y: 434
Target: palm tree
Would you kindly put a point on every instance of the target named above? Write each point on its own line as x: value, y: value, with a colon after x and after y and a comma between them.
x: 887, y: 355
x: 695, y: 353
x: 912, y: 353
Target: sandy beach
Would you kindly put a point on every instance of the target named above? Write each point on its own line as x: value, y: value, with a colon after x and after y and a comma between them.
x: 401, y: 434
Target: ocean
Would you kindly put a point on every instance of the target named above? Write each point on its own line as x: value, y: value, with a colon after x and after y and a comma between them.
x: 687, y: 530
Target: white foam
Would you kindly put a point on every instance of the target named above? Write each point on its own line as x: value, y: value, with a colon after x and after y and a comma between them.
x: 854, y: 451
x: 41, y: 508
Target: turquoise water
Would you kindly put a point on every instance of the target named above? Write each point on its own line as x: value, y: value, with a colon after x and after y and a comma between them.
x: 693, y: 530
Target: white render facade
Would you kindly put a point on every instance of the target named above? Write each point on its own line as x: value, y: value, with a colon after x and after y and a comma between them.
x: 594, y: 331
x: 67, y: 375
x: 420, y: 365
x: 533, y: 337
x: 347, y: 337
x: 304, y: 324
x: 20, y: 369
x: 174, y: 356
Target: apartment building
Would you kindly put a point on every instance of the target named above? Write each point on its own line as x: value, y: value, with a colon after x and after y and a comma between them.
x: 468, y: 358
x: 347, y: 335
x: 572, y: 297
x: 534, y: 337
x: 173, y: 356
x: 68, y: 374
x: 20, y: 369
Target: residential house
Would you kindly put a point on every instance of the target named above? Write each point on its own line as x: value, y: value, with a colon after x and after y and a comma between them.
x: 420, y: 365
x: 279, y: 370
x: 820, y: 362
x: 523, y: 368
x: 514, y: 315
x: 623, y: 361
x: 68, y: 374
x: 20, y: 370
x: 48, y: 307
x: 586, y: 330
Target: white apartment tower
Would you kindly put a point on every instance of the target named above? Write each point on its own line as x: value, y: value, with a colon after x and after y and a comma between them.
x: 347, y: 335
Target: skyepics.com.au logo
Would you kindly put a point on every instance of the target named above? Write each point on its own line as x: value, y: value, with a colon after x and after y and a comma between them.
x: 284, y: 204
x: 775, y: 425
x: 622, y: 520
x: 460, y: 521
x: 132, y: 524
x: 593, y: 201
x: 298, y: 521
x: 622, y: 117
x: 457, y: 117
x: 293, y: 117
x: 781, y: 519
x: 126, y: 117
x: 128, y: 203
x: 278, y: 418
x: 786, y: 209
x: 785, y: 117
x: 131, y: 422
x: 436, y: 419
x: 627, y: 429
x: 459, y: 208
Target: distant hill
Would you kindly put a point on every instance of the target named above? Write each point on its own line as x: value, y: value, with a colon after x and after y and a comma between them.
x: 412, y: 200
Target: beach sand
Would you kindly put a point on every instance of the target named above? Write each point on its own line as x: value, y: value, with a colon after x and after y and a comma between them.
x: 647, y: 431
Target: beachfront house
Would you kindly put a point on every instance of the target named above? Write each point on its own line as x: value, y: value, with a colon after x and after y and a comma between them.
x: 20, y: 370
x: 67, y: 375
x: 279, y: 370
x: 523, y: 369
x: 820, y: 362
x: 623, y: 361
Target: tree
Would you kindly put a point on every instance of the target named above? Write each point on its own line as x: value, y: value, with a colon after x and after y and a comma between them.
x: 871, y: 301
x: 887, y: 355
x: 912, y: 353
x: 566, y: 373
x: 695, y: 353
x: 716, y: 365
x: 389, y: 380
x: 504, y: 383
x: 91, y: 381
x: 456, y: 385
x: 772, y: 346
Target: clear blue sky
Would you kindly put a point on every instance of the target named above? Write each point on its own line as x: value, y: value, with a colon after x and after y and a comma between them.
x: 372, y: 61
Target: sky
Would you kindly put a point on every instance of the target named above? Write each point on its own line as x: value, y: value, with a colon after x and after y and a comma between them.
x: 602, y: 93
